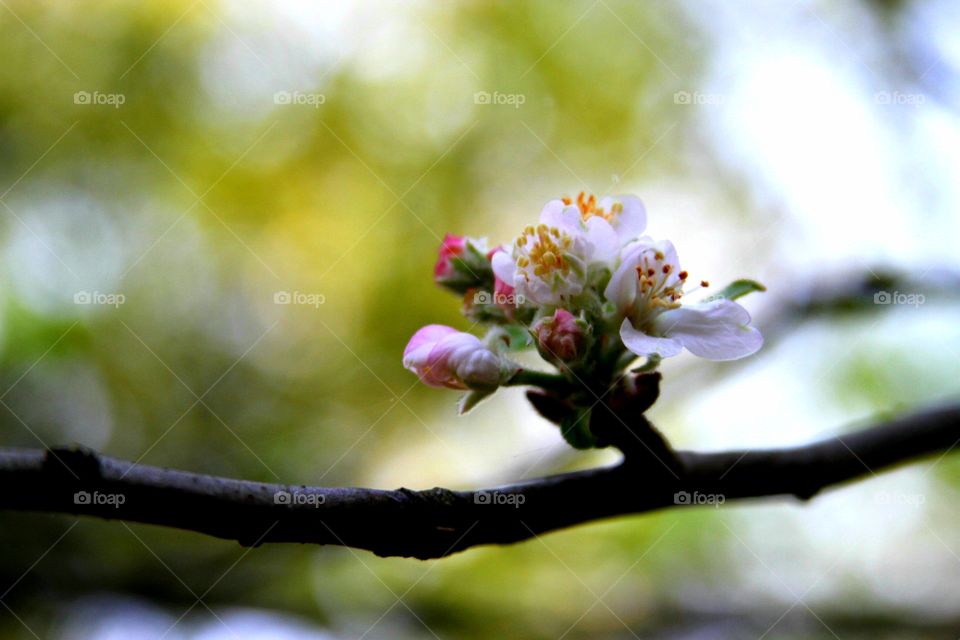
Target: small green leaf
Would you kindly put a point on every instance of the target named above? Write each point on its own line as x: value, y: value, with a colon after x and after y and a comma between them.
x: 653, y: 361
x: 519, y: 337
x: 472, y: 398
x: 576, y: 429
x: 505, y: 338
x: 736, y: 289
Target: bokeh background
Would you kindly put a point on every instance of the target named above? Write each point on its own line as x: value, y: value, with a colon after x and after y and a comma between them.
x: 168, y: 168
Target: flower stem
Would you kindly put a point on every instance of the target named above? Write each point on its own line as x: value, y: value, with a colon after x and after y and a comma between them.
x: 653, y: 361
x: 548, y: 381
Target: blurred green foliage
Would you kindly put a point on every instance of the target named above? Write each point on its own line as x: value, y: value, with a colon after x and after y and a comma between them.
x: 201, y: 197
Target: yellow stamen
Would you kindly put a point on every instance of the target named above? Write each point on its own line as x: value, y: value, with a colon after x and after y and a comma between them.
x: 544, y: 251
x: 589, y: 209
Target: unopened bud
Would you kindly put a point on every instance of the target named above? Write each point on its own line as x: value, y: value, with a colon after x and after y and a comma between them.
x: 462, y: 264
x: 561, y: 337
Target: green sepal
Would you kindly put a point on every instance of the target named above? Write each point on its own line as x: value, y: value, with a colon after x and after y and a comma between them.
x: 518, y: 338
x: 652, y: 362
x: 506, y: 338
x: 598, y: 275
x: 575, y: 429
x: 736, y: 289
x: 471, y: 270
x: 472, y: 398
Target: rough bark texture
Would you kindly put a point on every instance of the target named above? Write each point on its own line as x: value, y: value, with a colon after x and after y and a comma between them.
x: 437, y: 522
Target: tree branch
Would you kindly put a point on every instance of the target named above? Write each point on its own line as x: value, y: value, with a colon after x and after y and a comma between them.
x: 437, y: 522
x: 837, y: 294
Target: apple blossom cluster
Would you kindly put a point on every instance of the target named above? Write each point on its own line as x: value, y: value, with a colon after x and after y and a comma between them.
x: 584, y: 287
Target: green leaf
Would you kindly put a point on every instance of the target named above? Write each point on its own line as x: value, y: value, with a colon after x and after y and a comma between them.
x: 576, y: 430
x: 472, y: 398
x: 736, y: 289
x: 519, y: 337
x: 508, y: 337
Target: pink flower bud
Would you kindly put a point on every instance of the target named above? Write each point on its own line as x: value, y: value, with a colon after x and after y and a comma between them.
x: 560, y: 338
x: 444, y: 357
x: 503, y: 294
x: 451, y: 247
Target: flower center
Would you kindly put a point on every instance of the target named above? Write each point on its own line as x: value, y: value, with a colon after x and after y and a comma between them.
x: 653, y: 275
x: 589, y: 209
x: 543, y: 247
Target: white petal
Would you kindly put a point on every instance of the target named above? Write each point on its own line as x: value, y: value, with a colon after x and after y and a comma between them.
x: 635, y: 245
x: 635, y: 251
x: 479, y: 367
x: 504, y: 267
x: 632, y: 220
x: 459, y: 341
x: 563, y: 217
x: 536, y: 291
x: 603, y: 240
x: 669, y: 257
x: 717, y: 330
x: 622, y: 288
x: 644, y: 345
x: 451, y: 350
x: 423, y: 341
